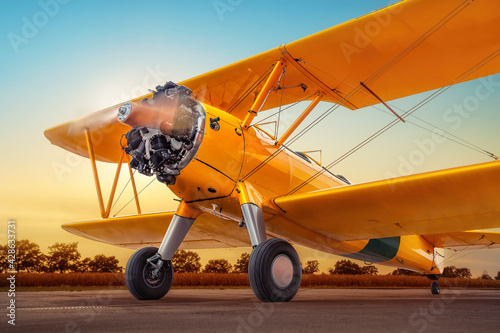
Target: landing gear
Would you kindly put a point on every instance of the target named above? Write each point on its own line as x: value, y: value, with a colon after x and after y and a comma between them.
x: 149, y: 273
x: 148, y: 277
x: 435, y: 284
x: 274, y: 271
x: 435, y: 288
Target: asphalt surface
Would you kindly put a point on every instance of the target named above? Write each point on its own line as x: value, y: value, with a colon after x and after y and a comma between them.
x: 238, y: 310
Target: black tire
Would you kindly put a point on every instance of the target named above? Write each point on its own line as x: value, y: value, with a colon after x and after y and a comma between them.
x: 282, y: 285
x: 138, y: 276
x: 435, y: 288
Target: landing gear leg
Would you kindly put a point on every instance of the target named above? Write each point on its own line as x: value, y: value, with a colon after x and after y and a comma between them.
x: 435, y: 285
x: 274, y: 270
x: 254, y: 220
x: 149, y: 272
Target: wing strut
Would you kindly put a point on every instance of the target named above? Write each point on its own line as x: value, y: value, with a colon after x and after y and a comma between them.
x: 105, y: 212
x: 261, y: 97
x: 380, y: 99
x: 300, y: 119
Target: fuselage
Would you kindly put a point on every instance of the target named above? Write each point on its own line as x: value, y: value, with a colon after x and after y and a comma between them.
x: 228, y: 154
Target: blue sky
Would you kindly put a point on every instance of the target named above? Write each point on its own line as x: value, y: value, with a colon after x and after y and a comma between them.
x: 64, y: 59
x: 93, y: 46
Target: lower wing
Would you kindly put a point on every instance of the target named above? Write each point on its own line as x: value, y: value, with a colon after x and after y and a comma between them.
x: 137, y: 231
x: 441, y: 205
x: 438, y: 202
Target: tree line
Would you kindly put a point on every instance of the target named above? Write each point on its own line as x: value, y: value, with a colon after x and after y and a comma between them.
x: 61, y: 258
x: 65, y: 258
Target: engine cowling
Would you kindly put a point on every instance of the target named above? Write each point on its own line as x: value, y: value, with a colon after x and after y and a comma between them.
x: 167, y: 130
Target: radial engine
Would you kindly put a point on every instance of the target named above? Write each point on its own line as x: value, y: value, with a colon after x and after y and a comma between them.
x: 167, y: 130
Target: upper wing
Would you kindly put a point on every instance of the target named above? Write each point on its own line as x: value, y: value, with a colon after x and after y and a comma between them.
x: 467, y: 240
x: 104, y: 129
x: 404, y: 49
x: 137, y: 231
x: 438, y: 202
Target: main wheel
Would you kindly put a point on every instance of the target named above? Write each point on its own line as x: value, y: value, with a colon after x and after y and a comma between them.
x: 274, y: 271
x: 142, y: 280
x: 435, y: 288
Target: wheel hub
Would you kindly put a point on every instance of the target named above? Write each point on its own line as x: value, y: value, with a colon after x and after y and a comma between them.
x: 153, y: 276
x: 282, y: 271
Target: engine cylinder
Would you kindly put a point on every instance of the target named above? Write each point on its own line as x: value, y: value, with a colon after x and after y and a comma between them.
x: 163, y: 116
x: 167, y: 130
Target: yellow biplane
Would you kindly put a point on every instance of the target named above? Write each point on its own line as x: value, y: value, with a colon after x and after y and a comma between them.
x: 199, y: 137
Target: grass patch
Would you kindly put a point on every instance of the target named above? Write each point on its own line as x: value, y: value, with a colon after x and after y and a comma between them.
x: 96, y: 281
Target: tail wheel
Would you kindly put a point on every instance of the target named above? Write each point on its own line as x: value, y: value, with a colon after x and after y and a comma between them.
x: 144, y: 280
x: 274, y: 271
x: 435, y: 288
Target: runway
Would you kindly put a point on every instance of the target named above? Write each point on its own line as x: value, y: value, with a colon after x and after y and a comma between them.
x: 238, y: 310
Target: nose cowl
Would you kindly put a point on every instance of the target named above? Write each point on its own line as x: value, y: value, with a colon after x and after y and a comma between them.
x: 166, y: 133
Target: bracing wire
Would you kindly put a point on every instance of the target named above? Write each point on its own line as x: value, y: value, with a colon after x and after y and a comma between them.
x: 281, y: 101
x: 448, y: 260
x: 285, y: 108
x: 419, y: 41
x: 458, y: 140
x: 385, y: 67
x: 377, y: 73
x: 152, y: 180
x: 394, y: 122
x: 247, y: 92
x: 123, y: 190
x: 378, y: 133
x: 277, y: 152
x: 464, y: 142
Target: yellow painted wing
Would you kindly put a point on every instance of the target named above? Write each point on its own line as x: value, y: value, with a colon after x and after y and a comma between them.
x: 137, y: 231
x: 105, y: 131
x: 438, y: 202
x: 404, y: 49
x: 467, y: 240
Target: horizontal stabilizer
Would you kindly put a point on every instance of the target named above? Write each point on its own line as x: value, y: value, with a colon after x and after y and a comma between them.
x: 466, y: 240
